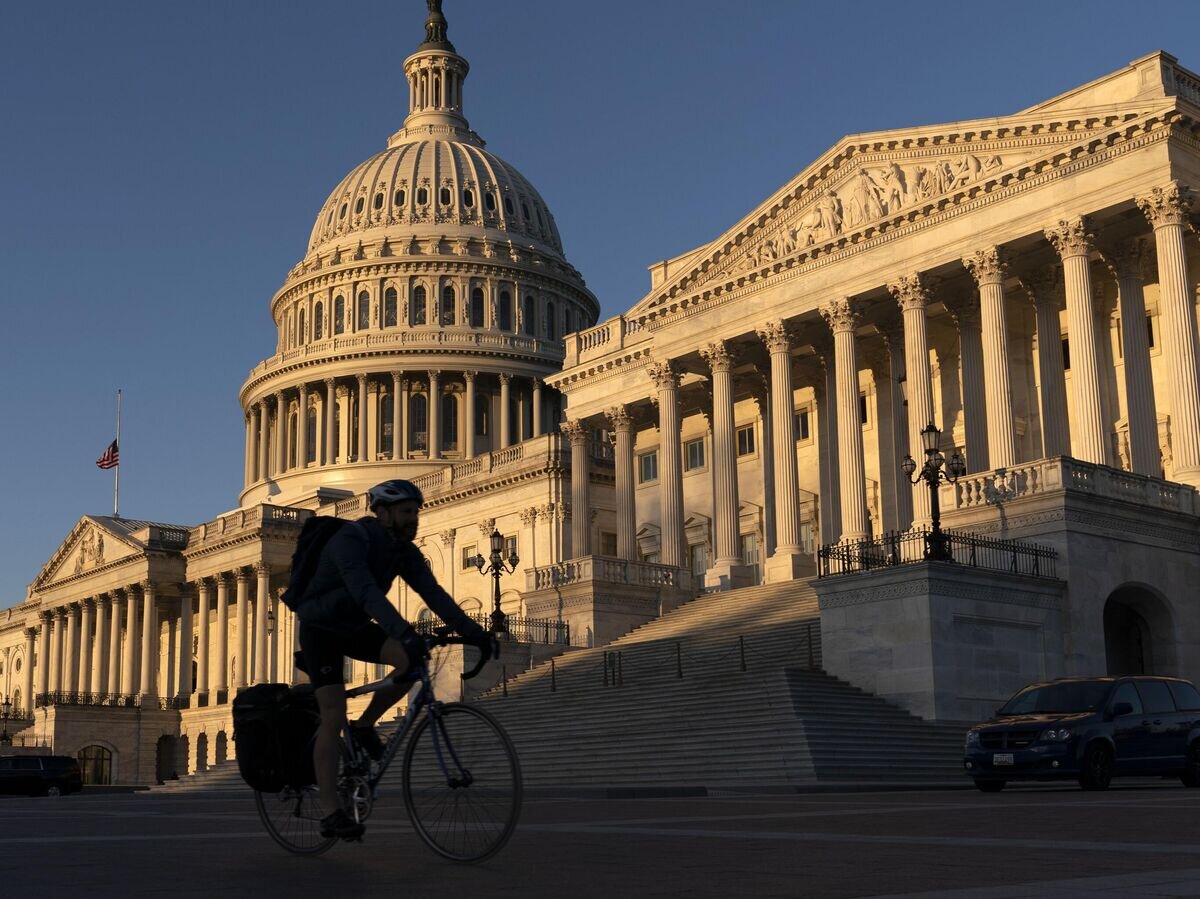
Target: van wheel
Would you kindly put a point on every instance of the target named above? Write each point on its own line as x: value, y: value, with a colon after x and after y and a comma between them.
x: 1191, y: 768
x: 1097, y: 770
x: 990, y: 786
x: 53, y: 790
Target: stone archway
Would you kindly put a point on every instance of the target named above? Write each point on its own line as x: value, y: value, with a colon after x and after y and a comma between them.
x: 165, y: 759
x: 201, y: 752
x: 222, y: 747
x: 1139, y: 632
x: 183, y: 759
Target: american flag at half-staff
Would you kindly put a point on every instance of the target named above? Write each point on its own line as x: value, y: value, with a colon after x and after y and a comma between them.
x: 111, y: 458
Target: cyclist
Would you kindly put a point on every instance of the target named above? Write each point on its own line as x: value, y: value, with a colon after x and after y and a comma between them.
x: 346, y: 612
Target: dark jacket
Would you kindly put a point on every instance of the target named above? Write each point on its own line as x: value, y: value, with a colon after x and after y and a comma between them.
x: 357, y: 567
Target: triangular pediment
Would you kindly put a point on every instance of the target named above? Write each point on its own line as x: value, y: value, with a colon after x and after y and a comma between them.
x: 868, y: 183
x: 95, y: 542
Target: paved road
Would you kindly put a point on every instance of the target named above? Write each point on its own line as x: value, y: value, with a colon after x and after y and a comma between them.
x: 1131, y: 841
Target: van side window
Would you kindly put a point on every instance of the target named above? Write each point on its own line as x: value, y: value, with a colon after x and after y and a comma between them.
x: 1155, y: 696
x: 1186, y: 696
x: 1127, y: 693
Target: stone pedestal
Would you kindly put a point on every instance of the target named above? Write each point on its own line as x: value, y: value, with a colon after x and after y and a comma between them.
x: 727, y: 576
x: 789, y: 566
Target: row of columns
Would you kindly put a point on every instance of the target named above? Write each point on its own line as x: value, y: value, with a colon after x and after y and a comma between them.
x: 80, y: 647
x: 269, y: 437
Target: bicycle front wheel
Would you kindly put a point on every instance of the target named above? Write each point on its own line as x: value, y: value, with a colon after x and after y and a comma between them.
x: 293, y: 819
x: 462, y: 783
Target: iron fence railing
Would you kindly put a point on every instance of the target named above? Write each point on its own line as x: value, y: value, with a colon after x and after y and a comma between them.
x: 120, y: 700
x: 909, y: 547
x: 545, y: 631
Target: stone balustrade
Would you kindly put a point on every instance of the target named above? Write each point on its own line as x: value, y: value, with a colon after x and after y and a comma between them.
x: 606, y: 570
x: 604, y: 338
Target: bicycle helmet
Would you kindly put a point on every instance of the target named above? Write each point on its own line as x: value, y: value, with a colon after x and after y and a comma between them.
x: 395, y: 491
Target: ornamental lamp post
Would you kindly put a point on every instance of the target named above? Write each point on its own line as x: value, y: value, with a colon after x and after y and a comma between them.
x: 496, y: 565
x: 6, y: 713
x: 932, y: 474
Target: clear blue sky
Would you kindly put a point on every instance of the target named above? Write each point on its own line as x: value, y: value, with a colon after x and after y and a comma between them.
x: 161, y: 164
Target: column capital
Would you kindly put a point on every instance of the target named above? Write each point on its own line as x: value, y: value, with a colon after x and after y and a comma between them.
x: 664, y: 374
x: 1042, y: 286
x: 1070, y: 237
x: 447, y: 536
x: 987, y: 266
x: 469, y: 375
x: 243, y: 575
x: 279, y: 397
x: 840, y: 315
x: 60, y: 613
x: 302, y: 387
x: 261, y: 569
x: 505, y: 377
x: 397, y: 375
x: 30, y: 633
x: 776, y: 335
x: 434, y: 375
x: 909, y: 291
x: 965, y: 314
x: 528, y: 516
x: 575, y: 431
x: 1167, y: 205
x: 1124, y: 258
x: 718, y: 356
x: 89, y: 603
x: 537, y: 383
x: 329, y: 382
x: 361, y: 378
x: 619, y: 418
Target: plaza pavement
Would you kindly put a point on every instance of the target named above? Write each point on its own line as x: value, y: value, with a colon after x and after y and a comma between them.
x: 1135, y: 840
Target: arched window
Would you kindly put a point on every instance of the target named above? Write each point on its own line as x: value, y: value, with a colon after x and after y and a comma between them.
x: 477, y: 307
x: 293, y: 425
x: 418, y: 417
x: 342, y: 212
x: 389, y: 307
x: 95, y: 764
x: 505, y: 312
x: 16, y: 694
x: 378, y: 201
x: 529, y: 310
x: 566, y: 328
x: 548, y: 321
x: 417, y: 314
x: 449, y: 423
x: 339, y: 315
x: 310, y: 450
x: 447, y: 305
x: 508, y: 205
x: 300, y: 328
x: 525, y: 211
x: 318, y: 321
x: 483, y: 412
x: 364, y: 311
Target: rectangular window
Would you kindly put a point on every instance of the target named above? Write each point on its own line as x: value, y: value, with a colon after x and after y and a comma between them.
x: 1150, y: 331
x: 745, y: 440
x: 698, y: 555
x: 468, y: 556
x: 803, y: 424
x: 750, y: 554
x: 648, y: 467
x: 608, y: 543
x: 806, y: 537
x: 510, y: 547
x: 863, y: 418
x: 1066, y: 347
x: 693, y: 454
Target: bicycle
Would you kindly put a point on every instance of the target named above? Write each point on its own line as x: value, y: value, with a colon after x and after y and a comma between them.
x: 461, y: 776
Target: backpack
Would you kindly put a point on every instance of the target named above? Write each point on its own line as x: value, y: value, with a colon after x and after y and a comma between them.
x: 317, y: 531
x: 273, y: 728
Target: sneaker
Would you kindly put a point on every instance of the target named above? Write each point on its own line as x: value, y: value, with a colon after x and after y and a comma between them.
x: 366, y: 737
x: 340, y: 824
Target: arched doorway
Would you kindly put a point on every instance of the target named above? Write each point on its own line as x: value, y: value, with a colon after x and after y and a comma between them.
x: 95, y: 764
x: 1139, y: 633
x: 183, y: 761
x: 201, y: 752
x: 222, y: 747
x: 164, y: 759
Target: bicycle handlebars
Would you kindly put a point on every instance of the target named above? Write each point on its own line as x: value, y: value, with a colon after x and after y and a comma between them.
x: 442, y: 637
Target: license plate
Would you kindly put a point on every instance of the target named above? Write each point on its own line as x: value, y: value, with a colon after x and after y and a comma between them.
x: 1002, y: 758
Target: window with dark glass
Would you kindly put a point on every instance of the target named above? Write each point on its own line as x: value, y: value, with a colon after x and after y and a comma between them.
x: 358, y: 206
x: 339, y: 315
x: 862, y: 409
x: 422, y: 196
x: 508, y: 205
x: 505, y: 313
x: 802, y: 425
x: 1066, y: 350
x: 476, y: 307
x: 364, y: 311
x: 389, y: 307
x: 318, y: 322
x: 398, y: 198
x: 342, y: 212
x: 693, y: 454
x: 608, y: 543
x: 745, y: 440
x: 549, y: 321
x: 510, y: 547
x: 379, y: 201
x: 1156, y: 697
x: 530, y: 314
x: 483, y: 412
x: 447, y: 305
x: 525, y: 210
x: 489, y: 200
x: 418, y: 305
x: 449, y: 423
x: 300, y: 328
x: 468, y: 199
x: 1150, y: 331
x: 1186, y: 696
x: 444, y: 196
x: 419, y: 421
x: 648, y: 467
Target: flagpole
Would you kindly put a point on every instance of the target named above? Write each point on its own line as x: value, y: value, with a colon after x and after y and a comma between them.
x: 117, y: 467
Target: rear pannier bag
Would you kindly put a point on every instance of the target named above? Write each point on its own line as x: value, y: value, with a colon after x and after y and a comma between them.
x: 273, y: 727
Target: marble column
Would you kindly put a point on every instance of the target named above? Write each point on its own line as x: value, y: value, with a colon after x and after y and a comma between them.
x: 1042, y: 289
x: 98, y: 684
x: 1074, y: 245
x: 221, y: 681
x: 242, y: 644
x: 468, y: 415
x: 27, y: 694
x: 330, y: 420
x: 974, y: 393
x: 204, y: 592
x: 434, y: 417
x: 1167, y: 209
x: 581, y: 509
x: 183, y: 681
x: 84, y: 665
x: 149, y: 679
x: 894, y: 339
x: 406, y: 395
x: 988, y: 269
x: 825, y: 395
x: 113, y: 685
x: 362, y: 418
x: 248, y: 472
x: 537, y: 407
x: 281, y: 435
x: 621, y: 423
x: 262, y: 605
x: 397, y: 418
x: 45, y: 626
x: 670, y: 471
x: 787, y: 562
x: 130, y: 658
x: 842, y: 320
x: 70, y: 672
x: 912, y: 297
x: 1125, y: 264
x: 302, y: 428
x: 264, y: 441
x: 57, y: 626
x: 726, y: 572
x: 504, y: 416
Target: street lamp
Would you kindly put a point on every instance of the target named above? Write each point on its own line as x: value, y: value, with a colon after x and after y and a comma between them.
x: 496, y: 565
x: 6, y: 713
x: 933, y: 475
x: 270, y: 621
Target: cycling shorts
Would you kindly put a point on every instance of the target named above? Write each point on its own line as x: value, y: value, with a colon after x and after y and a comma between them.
x: 325, y: 650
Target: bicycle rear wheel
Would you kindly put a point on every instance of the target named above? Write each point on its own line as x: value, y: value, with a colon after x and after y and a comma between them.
x: 293, y: 819
x: 462, y: 783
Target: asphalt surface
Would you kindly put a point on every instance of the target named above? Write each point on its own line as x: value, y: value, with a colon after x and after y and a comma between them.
x: 1134, y: 840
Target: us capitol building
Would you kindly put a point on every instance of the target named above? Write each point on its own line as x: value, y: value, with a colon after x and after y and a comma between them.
x: 1025, y: 283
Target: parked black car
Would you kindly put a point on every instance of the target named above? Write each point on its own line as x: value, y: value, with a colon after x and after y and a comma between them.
x: 1091, y: 730
x: 40, y: 775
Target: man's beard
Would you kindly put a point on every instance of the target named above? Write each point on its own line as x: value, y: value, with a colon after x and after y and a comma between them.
x: 405, y: 533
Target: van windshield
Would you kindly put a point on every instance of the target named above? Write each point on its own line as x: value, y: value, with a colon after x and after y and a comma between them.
x: 1077, y: 696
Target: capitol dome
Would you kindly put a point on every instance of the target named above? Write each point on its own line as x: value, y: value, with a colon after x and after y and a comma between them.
x: 432, y: 299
